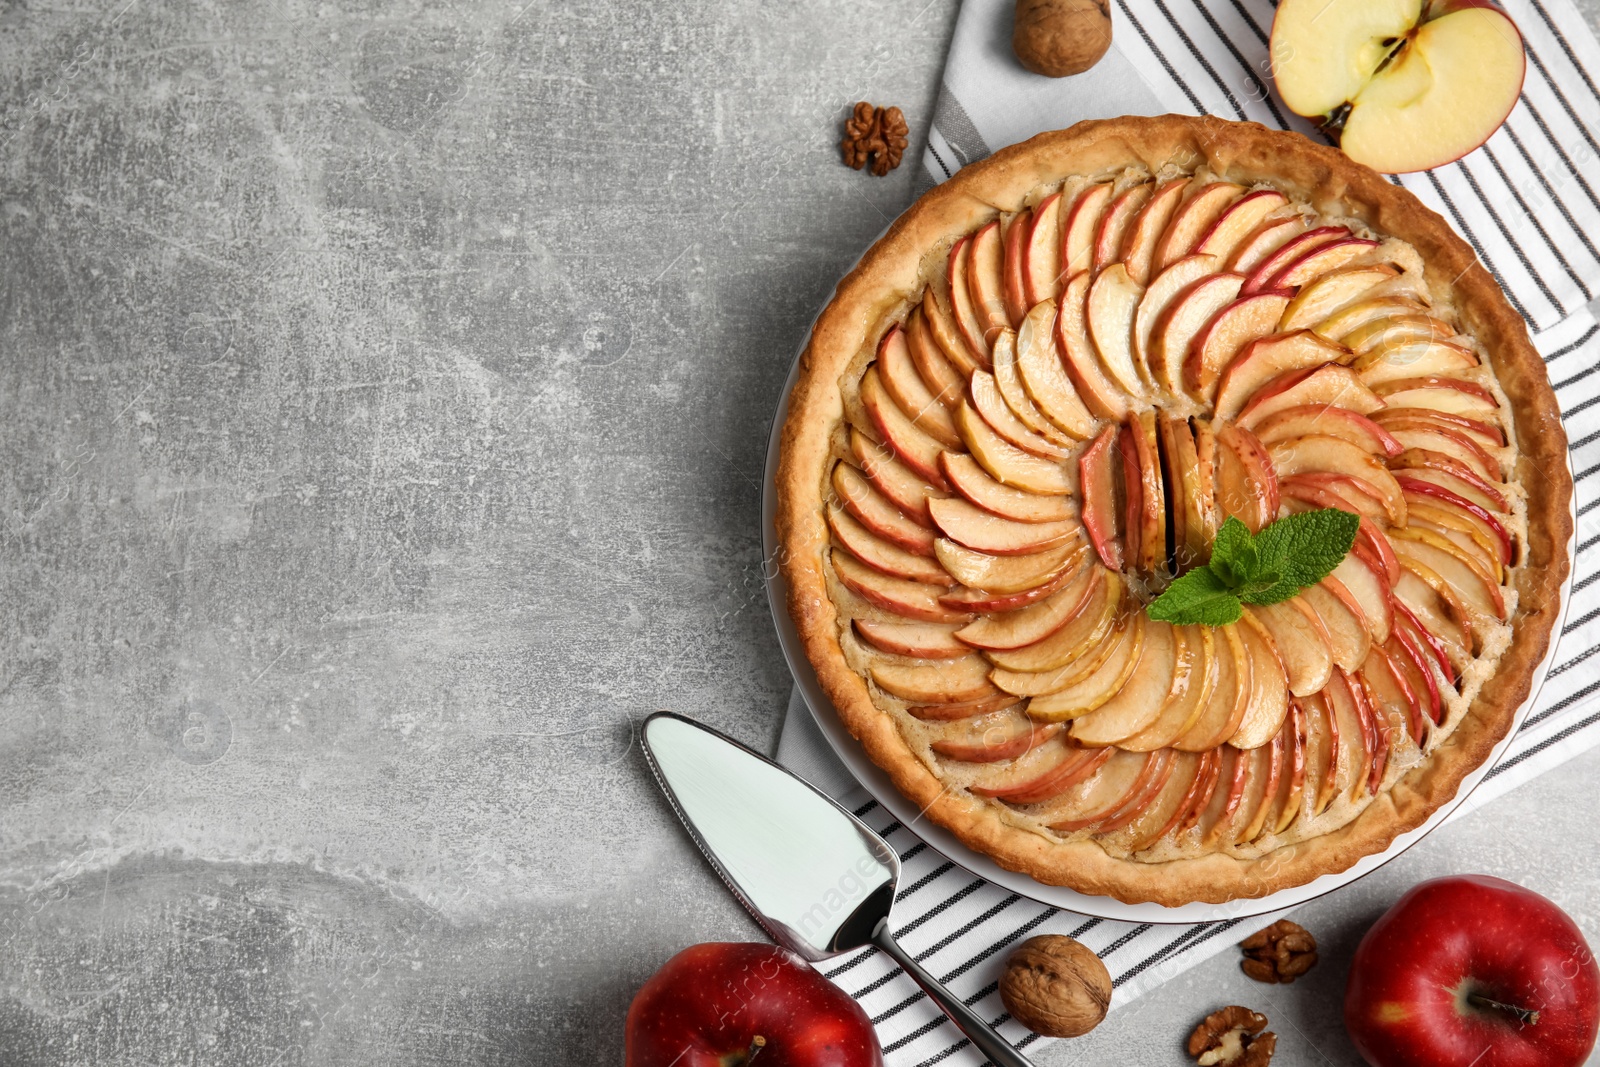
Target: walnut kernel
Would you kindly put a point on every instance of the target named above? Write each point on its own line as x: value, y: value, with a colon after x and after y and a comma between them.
x: 1055, y: 986
x: 875, y: 133
x: 1281, y: 953
x: 1232, y: 1037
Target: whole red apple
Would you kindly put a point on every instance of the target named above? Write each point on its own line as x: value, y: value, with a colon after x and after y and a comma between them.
x: 721, y: 1005
x: 1473, y: 970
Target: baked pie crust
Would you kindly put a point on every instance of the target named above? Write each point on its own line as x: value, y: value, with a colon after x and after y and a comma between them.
x: 1172, y: 831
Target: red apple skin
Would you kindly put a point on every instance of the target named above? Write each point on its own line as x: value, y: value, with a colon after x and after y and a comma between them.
x: 707, y: 1004
x: 1406, y: 1001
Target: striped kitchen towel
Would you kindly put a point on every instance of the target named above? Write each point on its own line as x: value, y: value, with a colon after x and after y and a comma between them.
x: 1527, y: 205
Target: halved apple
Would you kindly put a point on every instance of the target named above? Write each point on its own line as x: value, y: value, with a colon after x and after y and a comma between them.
x: 902, y: 382
x: 1100, y: 467
x: 1247, y: 484
x: 1081, y: 227
x: 1328, y: 419
x: 904, y: 489
x: 1322, y: 296
x: 1266, y: 359
x: 881, y: 555
x: 937, y: 372
x: 1114, y: 224
x: 1193, y: 219
x: 1225, y: 335
x: 1186, y: 318
x: 1269, y: 688
x: 1113, y: 302
x: 1328, y: 384
x: 1158, y: 297
x: 984, y: 531
x: 971, y: 482
x: 968, y: 319
x: 1267, y: 239
x: 1099, y: 393
x: 878, y: 513
x: 1015, y: 629
x: 999, y: 735
x: 912, y: 600
x: 1041, y: 257
x: 1164, y: 660
x: 1290, y: 251
x: 1005, y: 462
x: 1139, y: 246
x: 1325, y: 453
x: 909, y: 443
x: 922, y: 640
x: 1406, y: 86
x: 1043, y: 377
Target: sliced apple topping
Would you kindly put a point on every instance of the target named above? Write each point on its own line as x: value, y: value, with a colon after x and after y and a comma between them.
x: 1113, y: 302
x: 1082, y: 227
x: 897, y: 596
x: 1327, y: 384
x: 1158, y: 299
x: 1189, y: 698
x: 1014, y: 281
x: 972, y: 482
x: 1302, y: 641
x: 878, y: 513
x: 1125, y: 207
x: 906, y: 387
x: 1100, y: 394
x: 903, y: 488
x: 1328, y: 419
x: 1322, y: 296
x: 1164, y: 666
x: 985, y: 393
x: 1041, y: 256
x: 999, y: 735
x: 910, y: 445
x: 952, y: 681
x: 1015, y: 629
x: 1451, y: 395
x: 921, y: 640
x: 1247, y: 484
x: 1225, y: 335
x: 1085, y: 690
x: 1186, y: 318
x: 940, y: 376
x: 1239, y: 221
x: 1100, y: 476
x: 1004, y: 461
x: 1229, y: 698
x: 1146, y: 511
x: 1403, y: 358
x: 1139, y: 246
x: 1069, y: 643
x: 1291, y: 251
x: 1269, y: 688
x: 987, y: 532
x: 1343, y: 621
x: 942, y: 328
x: 1402, y: 327
x: 1193, y: 220
x: 968, y: 317
x: 881, y: 555
x: 1267, y: 359
x: 1005, y: 583
x: 1054, y: 773
x: 1008, y: 377
x: 1044, y: 379
x: 986, y: 281
x: 1335, y: 455
x: 1267, y: 239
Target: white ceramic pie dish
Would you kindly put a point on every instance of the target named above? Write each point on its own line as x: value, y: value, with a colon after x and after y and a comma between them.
x: 878, y: 785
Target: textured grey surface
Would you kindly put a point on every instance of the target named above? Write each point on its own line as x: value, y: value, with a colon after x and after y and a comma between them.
x: 382, y: 400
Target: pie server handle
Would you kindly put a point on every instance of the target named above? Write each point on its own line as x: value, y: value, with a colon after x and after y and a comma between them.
x: 981, y: 1034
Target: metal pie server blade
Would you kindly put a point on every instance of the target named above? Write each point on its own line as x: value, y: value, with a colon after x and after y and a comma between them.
x: 815, y: 877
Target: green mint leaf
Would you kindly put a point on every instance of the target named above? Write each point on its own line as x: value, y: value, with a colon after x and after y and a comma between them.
x: 1233, y: 540
x: 1199, y: 597
x: 1305, y: 548
x: 1269, y: 589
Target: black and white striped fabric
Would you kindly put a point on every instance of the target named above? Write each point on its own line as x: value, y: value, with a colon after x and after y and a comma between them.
x: 1530, y: 206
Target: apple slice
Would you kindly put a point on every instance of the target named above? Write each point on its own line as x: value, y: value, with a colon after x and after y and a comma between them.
x: 1454, y: 605
x: 986, y: 397
x: 910, y: 445
x: 1082, y: 684
x: 1190, y: 696
x: 1219, y: 342
x: 937, y: 372
x: 1144, y: 827
x: 1098, y: 466
x: 875, y: 511
x: 1096, y: 657
x: 1485, y: 434
x: 1458, y: 527
x: 1139, y: 246
x: 921, y: 640
x: 1414, y: 486
x: 1239, y: 221
x: 950, y: 712
x: 1435, y: 654
x: 1328, y: 419
x: 1400, y: 328
x: 1162, y: 768
x: 970, y: 481
x: 1266, y: 359
x: 1326, y: 453
x: 951, y: 681
x: 1430, y: 612
x: 1015, y: 284
x: 1081, y: 227
x: 907, y: 492
x: 1080, y: 765
x: 1158, y: 299
x: 1229, y: 699
x: 1346, y: 322
x: 906, y: 387
x: 1288, y: 253
x: 881, y: 555
x: 1320, y: 297
x: 1172, y: 490
x: 1238, y: 795
x: 1041, y: 256
x: 1195, y: 800
x: 1016, y: 629
x: 1192, y: 499
x: 1043, y: 377
x: 1247, y: 484
x: 1005, y: 583
x: 1005, y: 462
x: 1164, y: 660
x: 1369, y: 588
x: 1433, y: 437
x: 1291, y: 793
x: 1269, y: 688
x: 942, y: 328
x: 1409, y: 659
x: 986, y: 281
x: 1459, y: 476
x: 1386, y: 362
x: 985, y: 532
x: 1302, y: 641
x: 1008, y: 377
x: 1267, y: 239
x: 1345, y: 624
x: 1185, y: 320
x: 1102, y: 396
x: 912, y: 600
x: 1453, y: 395
x: 1113, y: 302
x: 1193, y: 220
x: 1328, y: 384
x: 1121, y: 777
x: 1205, y: 479
x: 1080, y: 636
x: 1146, y: 523
x: 1354, y: 739
x: 1477, y: 589
x: 1000, y: 779
x: 999, y: 735
x: 1320, y: 261
x: 1276, y: 756
x: 1125, y: 206
x: 969, y: 321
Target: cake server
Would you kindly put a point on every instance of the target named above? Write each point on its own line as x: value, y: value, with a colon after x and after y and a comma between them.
x: 816, y: 878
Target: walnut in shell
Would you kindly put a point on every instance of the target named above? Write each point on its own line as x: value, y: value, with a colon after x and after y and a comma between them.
x: 1061, y: 37
x: 1055, y: 986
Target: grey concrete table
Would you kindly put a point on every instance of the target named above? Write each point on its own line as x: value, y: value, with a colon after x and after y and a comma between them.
x: 383, y: 390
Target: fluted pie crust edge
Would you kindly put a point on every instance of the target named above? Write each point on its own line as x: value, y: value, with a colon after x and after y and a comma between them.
x: 888, y: 280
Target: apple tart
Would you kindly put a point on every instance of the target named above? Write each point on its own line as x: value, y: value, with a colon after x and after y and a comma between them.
x: 1032, y: 405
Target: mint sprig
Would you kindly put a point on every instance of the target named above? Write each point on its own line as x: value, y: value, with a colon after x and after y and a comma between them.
x: 1284, y: 558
